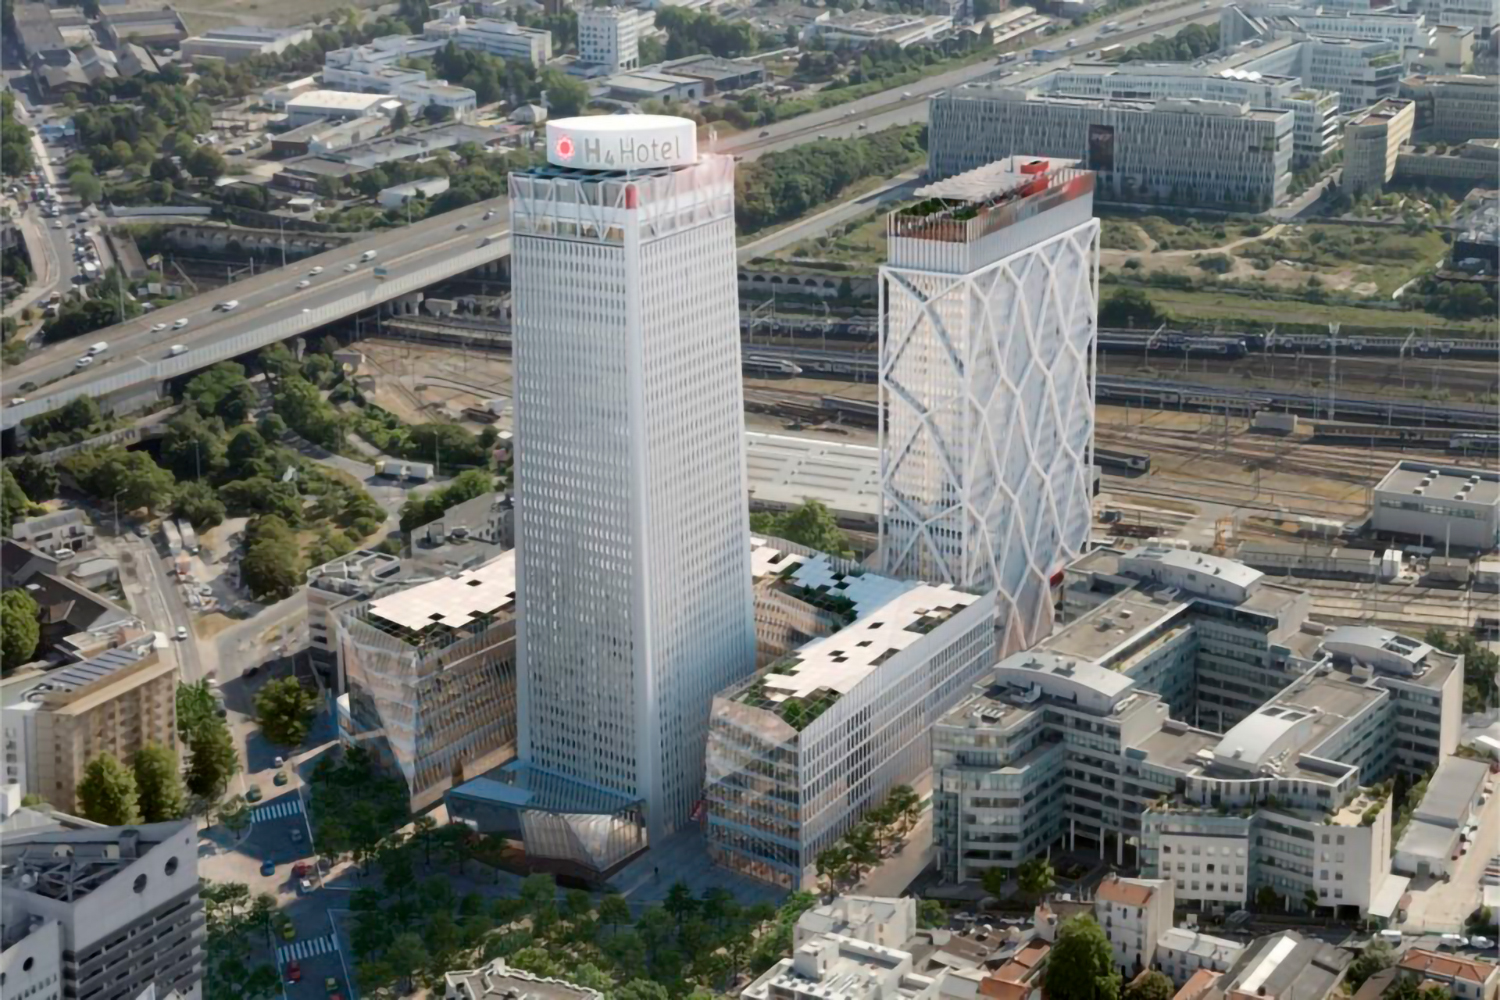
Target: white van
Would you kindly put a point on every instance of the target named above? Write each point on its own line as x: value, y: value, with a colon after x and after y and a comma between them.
x: 176, y: 349
x: 230, y: 305
x: 367, y: 256
x: 99, y: 348
x: 1390, y: 936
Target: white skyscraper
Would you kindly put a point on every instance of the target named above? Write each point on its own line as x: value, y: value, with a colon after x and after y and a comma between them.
x: 989, y: 309
x: 632, y: 529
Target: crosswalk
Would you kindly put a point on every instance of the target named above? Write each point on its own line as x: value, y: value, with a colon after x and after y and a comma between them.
x: 289, y: 806
x: 310, y: 948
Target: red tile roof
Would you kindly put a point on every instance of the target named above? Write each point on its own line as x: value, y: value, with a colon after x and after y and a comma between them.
x: 1198, y: 983
x: 1430, y: 963
x: 1129, y: 893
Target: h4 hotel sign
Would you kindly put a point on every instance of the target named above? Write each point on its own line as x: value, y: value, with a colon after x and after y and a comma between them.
x: 622, y: 142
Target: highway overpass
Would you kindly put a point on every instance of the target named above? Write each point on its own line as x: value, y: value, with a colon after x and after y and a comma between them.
x: 272, y: 307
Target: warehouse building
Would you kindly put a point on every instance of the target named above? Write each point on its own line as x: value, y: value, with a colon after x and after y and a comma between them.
x: 335, y: 105
x: 1440, y: 506
x: 1451, y: 804
x: 1176, y: 150
x: 242, y: 41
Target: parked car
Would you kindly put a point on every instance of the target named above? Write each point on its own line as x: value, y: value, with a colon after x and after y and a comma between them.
x: 280, y: 779
x: 1481, y: 942
x: 1453, y: 941
x: 254, y: 794
x: 301, y: 869
x: 305, y: 886
x: 268, y: 868
x: 294, y: 971
x: 331, y: 984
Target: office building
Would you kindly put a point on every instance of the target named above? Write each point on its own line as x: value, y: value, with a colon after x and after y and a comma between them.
x: 1440, y: 506
x: 1362, y: 71
x: 1095, y: 737
x: 799, y: 753
x: 1459, y: 169
x: 610, y: 36
x: 98, y: 913
x: 505, y: 39
x: 58, y: 721
x: 1454, y: 108
x: 989, y: 303
x: 1175, y: 150
x: 1372, y: 143
x: 1413, y: 33
x: 240, y: 42
x: 632, y: 531
x: 1315, y: 124
x: 1481, y: 15
x: 857, y: 29
x: 430, y: 675
x: 345, y: 580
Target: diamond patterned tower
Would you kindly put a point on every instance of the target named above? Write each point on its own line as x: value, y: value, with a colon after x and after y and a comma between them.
x: 989, y: 317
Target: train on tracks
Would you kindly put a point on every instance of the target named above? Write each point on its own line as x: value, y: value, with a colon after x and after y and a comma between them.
x: 1245, y: 402
x: 1283, y: 343
x: 1115, y: 458
x: 757, y: 366
x: 1391, y: 436
x: 1174, y: 345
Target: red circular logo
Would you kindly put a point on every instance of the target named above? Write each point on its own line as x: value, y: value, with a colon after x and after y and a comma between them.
x: 564, y: 148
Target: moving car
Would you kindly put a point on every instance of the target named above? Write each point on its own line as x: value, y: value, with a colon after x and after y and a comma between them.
x: 303, y: 283
x: 368, y: 255
x: 316, y: 271
x: 254, y: 794
x: 228, y: 306
x: 84, y: 361
x: 181, y: 632
x: 280, y: 779
x: 158, y: 327
x: 180, y: 323
x: 293, y: 971
x: 331, y: 984
x: 176, y: 349
x: 99, y: 347
x: 351, y: 267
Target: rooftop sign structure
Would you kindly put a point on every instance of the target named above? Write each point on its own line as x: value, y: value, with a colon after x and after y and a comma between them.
x: 622, y: 142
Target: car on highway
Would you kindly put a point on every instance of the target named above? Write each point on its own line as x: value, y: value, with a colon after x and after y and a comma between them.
x: 268, y: 868
x: 84, y: 361
x: 180, y: 323
x: 294, y: 971
x: 176, y: 349
x: 158, y: 327
x: 905, y: 93
x: 58, y: 224
x: 181, y: 633
x: 229, y: 306
x: 460, y: 227
x: 303, y: 283
x: 316, y: 271
x: 351, y: 267
x: 863, y: 126
x: 368, y: 255
x: 489, y: 215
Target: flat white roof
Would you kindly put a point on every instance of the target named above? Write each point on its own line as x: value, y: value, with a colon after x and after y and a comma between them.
x: 453, y: 601
x: 884, y: 612
x: 1268, y: 964
x: 341, y: 99
x: 786, y: 469
x: 1442, y: 482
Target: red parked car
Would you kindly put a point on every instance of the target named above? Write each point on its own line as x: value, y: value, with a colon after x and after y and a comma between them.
x: 301, y: 870
x: 293, y: 971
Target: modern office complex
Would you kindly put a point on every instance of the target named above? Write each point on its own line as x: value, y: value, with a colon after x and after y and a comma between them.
x: 99, y: 913
x: 1455, y: 108
x: 989, y: 312
x: 1177, y: 150
x: 114, y: 703
x: 1193, y: 713
x: 1481, y: 15
x: 1372, y: 144
x: 1413, y: 33
x: 1362, y: 71
x: 633, y: 535
x: 1315, y: 129
x: 430, y: 675
x: 800, y: 752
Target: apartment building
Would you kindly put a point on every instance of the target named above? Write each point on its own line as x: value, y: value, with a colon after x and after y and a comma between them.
x: 431, y: 677
x: 1315, y: 128
x: 114, y: 703
x: 1134, y: 914
x: 610, y: 36
x: 1177, y: 150
x: 798, y: 754
x: 1454, y: 108
x: 101, y: 913
x: 51, y: 533
x: 1094, y: 737
x: 1372, y: 143
x: 1183, y: 953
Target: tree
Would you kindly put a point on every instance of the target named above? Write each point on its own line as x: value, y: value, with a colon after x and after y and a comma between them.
x: 1129, y: 307
x: 1310, y: 900
x: 1267, y: 899
x: 86, y: 187
x: 234, y: 813
x: 1150, y: 986
x: 196, y: 708
x: 272, y: 565
x: 212, y: 759
x: 193, y: 446
x: 37, y: 478
x: 284, y: 709
x: 614, y: 911
x: 406, y: 956
x: 245, y: 445
x: 833, y: 865
x: 1081, y: 966
x: 159, y: 783
x: 810, y: 524
x: 1376, y: 957
x: 400, y: 120
x: 199, y: 504
x: 1036, y: 877
x: 566, y: 96
x: 223, y: 391
x: 107, y: 794
x: 995, y: 880
x: 116, y: 474
x: 931, y: 913
x: 20, y: 628
x: 204, y: 163
x: 13, y: 500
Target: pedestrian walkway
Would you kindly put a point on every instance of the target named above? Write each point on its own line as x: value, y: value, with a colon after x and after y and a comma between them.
x: 311, y: 948
x: 289, y: 806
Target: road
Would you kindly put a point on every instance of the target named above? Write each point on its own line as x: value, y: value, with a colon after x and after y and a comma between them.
x: 263, y: 299
x: 896, y: 189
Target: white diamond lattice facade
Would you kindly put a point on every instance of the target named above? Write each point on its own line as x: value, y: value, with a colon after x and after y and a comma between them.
x: 988, y: 336
x: 633, y: 533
